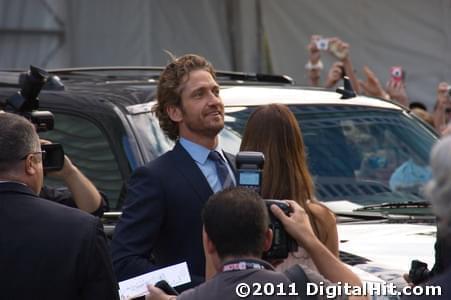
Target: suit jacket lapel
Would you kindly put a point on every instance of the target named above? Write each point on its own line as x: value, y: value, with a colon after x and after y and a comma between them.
x: 187, y: 166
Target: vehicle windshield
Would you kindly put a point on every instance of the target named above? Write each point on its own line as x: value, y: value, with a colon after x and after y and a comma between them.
x: 364, y: 155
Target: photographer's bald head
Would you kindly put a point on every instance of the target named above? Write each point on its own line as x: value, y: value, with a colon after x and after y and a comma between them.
x: 20, y: 152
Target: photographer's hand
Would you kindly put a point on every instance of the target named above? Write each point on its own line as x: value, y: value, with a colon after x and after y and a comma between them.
x: 397, y: 91
x: 442, y: 103
x: 314, y: 52
x: 85, y: 194
x: 298, y: 226
x: 334, y: 75
x: 314, y: 60
x: 157, y: 294
x: 341, y: 50
x: 371, y: 86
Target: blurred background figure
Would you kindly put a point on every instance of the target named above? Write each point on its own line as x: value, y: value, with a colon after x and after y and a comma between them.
x: 438, y: 191
x: 424, y: 115
x: 395, y: 87
x: 442, y: 108
x: 343, y: 66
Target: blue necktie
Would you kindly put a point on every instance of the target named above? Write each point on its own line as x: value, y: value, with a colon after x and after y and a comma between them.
x: 221, y: 168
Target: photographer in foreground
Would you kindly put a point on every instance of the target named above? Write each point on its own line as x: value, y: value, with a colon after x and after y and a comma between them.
x: 48, y: 251
x: 235, y: 235
x: 79, y: 192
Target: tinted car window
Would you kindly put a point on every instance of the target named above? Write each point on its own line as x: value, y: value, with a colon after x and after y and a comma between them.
x: 89, y: 149
x: 364, y: 155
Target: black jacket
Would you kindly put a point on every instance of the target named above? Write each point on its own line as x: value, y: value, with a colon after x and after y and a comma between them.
x: 50, y: 251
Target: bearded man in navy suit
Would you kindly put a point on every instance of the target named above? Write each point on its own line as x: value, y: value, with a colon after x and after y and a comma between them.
x: 161, y: 221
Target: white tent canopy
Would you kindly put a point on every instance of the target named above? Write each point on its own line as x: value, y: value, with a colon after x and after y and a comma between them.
x: 250, y: 35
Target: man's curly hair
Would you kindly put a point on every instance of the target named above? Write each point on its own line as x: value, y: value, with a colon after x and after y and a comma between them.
x: 169, y: 88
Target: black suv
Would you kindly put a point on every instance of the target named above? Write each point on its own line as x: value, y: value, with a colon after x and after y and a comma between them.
x: 368, y: 156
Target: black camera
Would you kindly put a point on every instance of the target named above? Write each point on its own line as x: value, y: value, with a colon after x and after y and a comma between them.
x: 282, y: 243
x: 418, y: 272
x: 54, y: 157
x: 26, y: 103
x: 250, y: 165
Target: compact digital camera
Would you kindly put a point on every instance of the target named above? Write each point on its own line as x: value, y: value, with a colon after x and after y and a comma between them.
x: 250, y: 165
x: 397, y: 74
x: 322, y: 43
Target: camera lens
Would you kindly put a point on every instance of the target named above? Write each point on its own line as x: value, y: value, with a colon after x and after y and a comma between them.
x: 396, y: 73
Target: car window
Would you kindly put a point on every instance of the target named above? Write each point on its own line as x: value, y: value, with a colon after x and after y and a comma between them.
x: 150, y: 136
x: 88, y: 148
x: 364, y: 155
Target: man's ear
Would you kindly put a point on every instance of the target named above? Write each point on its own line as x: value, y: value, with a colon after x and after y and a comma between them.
x: 30, y: 165
x: 209, y: 247
x: 268, y: 240
x: 174, y: 113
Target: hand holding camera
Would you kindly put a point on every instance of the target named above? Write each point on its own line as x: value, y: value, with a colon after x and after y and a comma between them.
x: 250, y: 165
x: 396, y: 86
x: 297, y: 224
x: 443, y: 94
x: 314, y: 50
x: 338, y: 48
x: 55, y: 162
x: 397, y: 74
x: 335, y: 74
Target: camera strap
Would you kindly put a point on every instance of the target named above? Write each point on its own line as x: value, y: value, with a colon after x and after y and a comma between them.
x: 240, y: 265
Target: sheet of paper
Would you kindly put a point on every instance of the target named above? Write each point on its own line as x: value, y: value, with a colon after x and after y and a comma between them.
x: 137, y: 286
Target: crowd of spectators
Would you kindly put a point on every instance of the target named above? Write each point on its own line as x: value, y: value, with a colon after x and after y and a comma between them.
x: 370, y: 85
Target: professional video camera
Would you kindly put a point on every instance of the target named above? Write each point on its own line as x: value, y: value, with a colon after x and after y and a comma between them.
x: 250, y: 165
x: 26, y: 103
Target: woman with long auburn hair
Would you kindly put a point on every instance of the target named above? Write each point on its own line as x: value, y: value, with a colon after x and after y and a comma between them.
x: 273, y: 130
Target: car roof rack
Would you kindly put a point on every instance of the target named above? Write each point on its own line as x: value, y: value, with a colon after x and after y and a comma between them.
x: 136, y: 74
x: 258, y: 77
x: 112, y: 72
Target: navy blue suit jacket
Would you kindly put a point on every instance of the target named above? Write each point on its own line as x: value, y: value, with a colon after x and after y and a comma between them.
x: 162, y: 216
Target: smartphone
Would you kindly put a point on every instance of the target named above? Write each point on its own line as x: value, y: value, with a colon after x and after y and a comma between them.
x: 54, y: 157
x: 397, y: 74
x: 322, y: 44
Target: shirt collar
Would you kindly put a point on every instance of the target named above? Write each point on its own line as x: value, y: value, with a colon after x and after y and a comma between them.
x: 197, y: 152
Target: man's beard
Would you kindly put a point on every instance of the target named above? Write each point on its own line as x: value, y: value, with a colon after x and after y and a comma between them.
x: 209, y: 131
